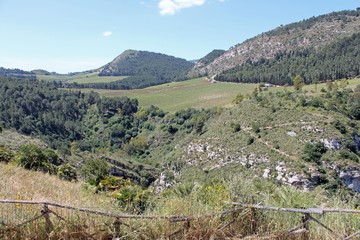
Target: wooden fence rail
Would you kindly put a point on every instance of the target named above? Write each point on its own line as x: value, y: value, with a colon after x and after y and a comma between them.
x: 303, y: 228
x: 307, y: 215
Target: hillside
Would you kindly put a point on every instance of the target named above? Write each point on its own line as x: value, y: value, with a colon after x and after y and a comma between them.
x: 203, y: 62
x: 337, y: 60
x: 18, y: 73
x: 274, y: 135
x: 308, y: 35
x: 269, y: 147
x: 145, y: 69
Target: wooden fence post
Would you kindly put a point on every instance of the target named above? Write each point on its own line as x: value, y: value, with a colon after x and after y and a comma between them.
x: 253, y: 223
x: 305, y: 220
x: 48, y: 224
x: 117, y: 224
x: 186, y: 226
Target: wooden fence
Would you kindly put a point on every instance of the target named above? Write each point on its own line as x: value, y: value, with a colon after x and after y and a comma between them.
x: 44, y: 210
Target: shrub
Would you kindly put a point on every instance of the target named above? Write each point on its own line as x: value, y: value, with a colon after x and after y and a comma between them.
x: 339, y: 126
x: 67, y: 172
x: 113, y: 183
x: 345, y: 154
x: 256, y: 127
x: 32, y: 157
x: 94, y: 170
x: 133, y: 198
x: 136, y: 145
x: 6, y: 155
x: 238, y: 99
x: 313, y: 152
x: 236, y: 127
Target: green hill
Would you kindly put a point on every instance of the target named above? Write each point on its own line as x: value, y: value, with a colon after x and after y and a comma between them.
x: 18, y: 73
x: 145, y: 69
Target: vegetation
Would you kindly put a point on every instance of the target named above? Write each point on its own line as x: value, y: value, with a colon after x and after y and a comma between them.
x: 209, y: 58
x: 267, y: 147
x: 18, y: 73
x: 81, y: 78
x: 305, y: 37
x: 39, y: 109
x: 335, y: 61
x: 171, y: 97
x: 143, y: 69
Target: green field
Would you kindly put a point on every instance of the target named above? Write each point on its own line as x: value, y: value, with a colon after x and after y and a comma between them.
x: 81, y: 78
x: 196, y: 93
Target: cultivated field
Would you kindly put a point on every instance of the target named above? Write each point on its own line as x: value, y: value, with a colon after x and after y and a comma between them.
x: 81, y: 78
x: 197, y: 93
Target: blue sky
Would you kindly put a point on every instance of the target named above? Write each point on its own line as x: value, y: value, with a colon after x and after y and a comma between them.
x: 76, y: 35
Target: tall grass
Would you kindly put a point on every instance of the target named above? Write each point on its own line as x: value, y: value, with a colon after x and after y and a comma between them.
x: 185, y: 199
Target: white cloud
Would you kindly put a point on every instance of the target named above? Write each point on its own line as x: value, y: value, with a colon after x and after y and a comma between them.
x: 107, y: 34
x: 170, y: 7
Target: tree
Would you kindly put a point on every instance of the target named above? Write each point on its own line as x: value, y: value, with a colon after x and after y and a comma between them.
x: 298, y: 83
x: 94, y: 170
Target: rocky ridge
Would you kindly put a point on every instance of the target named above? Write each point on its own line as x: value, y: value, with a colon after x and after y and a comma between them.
x: 312, y: 33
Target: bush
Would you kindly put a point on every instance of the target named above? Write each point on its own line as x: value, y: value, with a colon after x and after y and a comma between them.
x: 6, y: 155
x: 345, y: 154
x: 32, y: 157
x: 313, y: 152
x: 133, y: 198
x: 136, y: 145
x: 113, y: 183
x: 67, y: 172
x: 339, y: 126
x: 236, y: 127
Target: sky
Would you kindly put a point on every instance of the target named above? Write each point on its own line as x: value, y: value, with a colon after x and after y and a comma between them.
x: 76, y: 35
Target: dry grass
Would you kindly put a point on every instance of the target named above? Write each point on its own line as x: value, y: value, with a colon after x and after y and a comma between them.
x: 17, y: 183
x: 13, y: 139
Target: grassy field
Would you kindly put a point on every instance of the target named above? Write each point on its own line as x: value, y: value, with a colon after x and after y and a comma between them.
x: 197, y: 93
x: 81, y: 78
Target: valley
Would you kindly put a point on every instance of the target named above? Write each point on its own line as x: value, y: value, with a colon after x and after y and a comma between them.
x: 149, y: 134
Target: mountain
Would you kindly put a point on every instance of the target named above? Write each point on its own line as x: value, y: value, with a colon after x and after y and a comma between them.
x: 18, y: 73
x: 138, y: 63
x: 145, y: 69
x: 307, y: 36
x: 337, y: 60
x: 209, y: 58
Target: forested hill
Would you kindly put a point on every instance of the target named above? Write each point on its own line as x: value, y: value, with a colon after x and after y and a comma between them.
x: 307, y: 36
x: 209, y: 58
x: 335, y: 61
x: 18, y: 73
x: 144, y: 69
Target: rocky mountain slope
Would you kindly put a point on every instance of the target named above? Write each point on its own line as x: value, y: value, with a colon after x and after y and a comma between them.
x: 270, y: 137
x: 315, y: 32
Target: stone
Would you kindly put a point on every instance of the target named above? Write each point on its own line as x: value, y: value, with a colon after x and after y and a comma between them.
x: 351, y: 179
